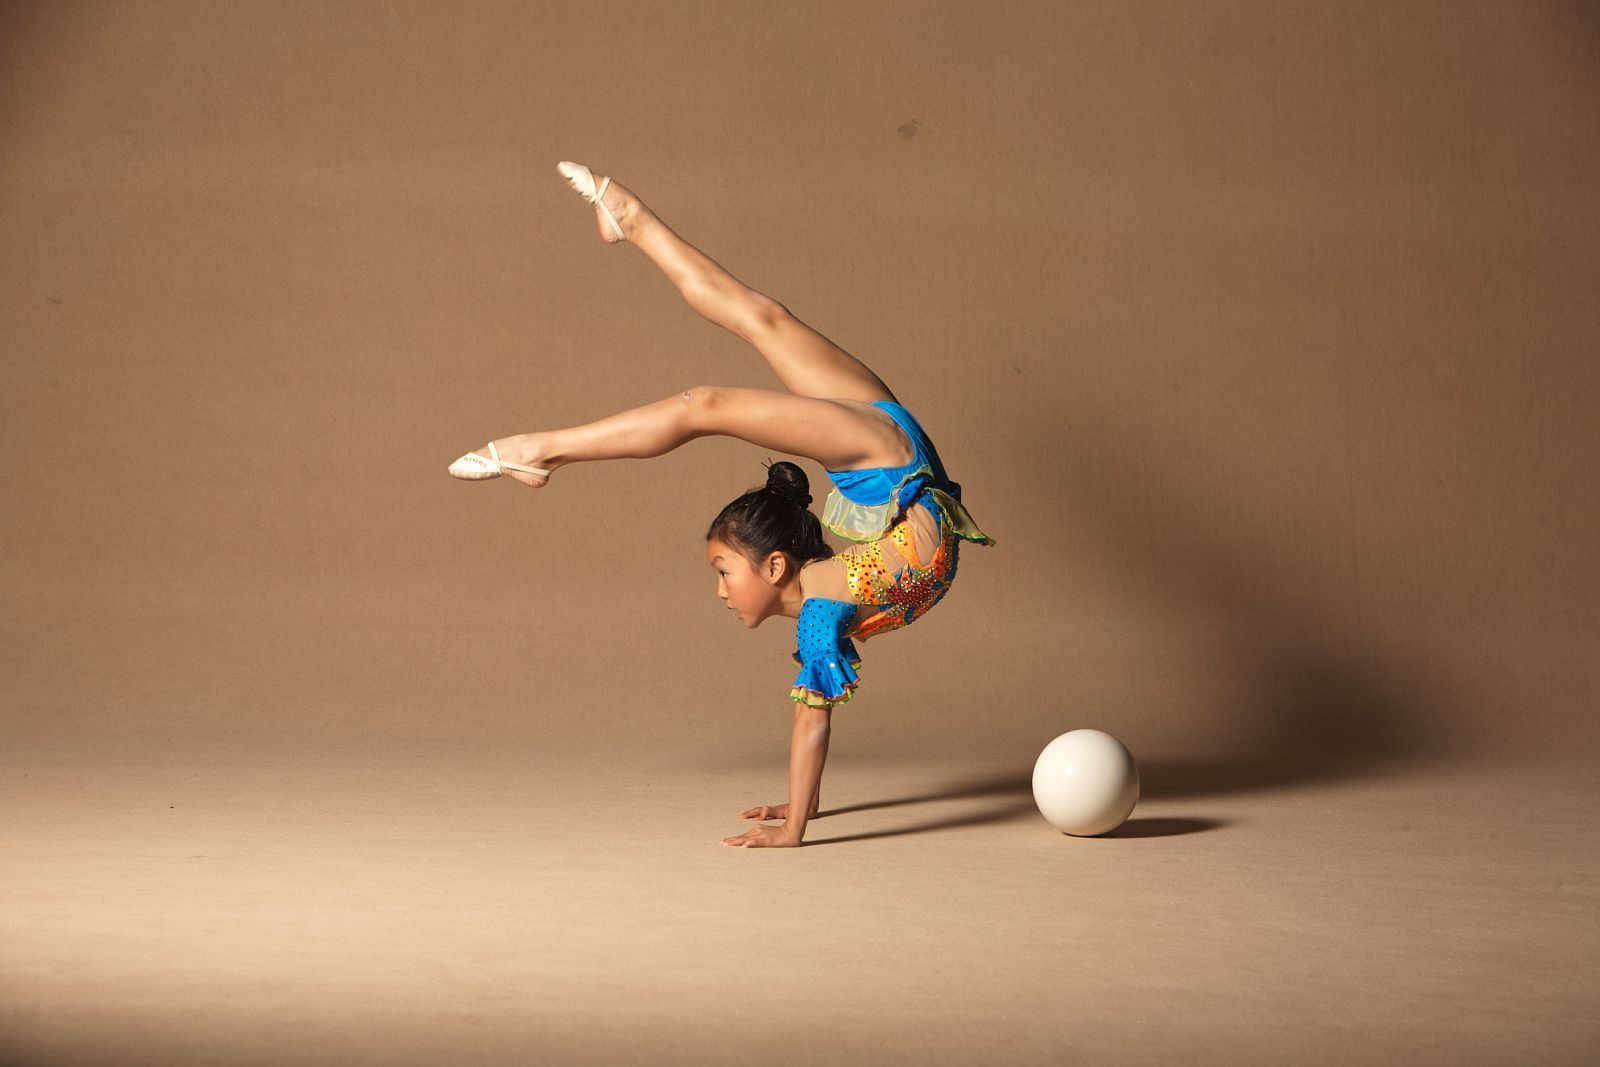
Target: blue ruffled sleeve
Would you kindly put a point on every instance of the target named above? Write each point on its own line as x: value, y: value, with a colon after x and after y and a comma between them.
x: 827, y: 658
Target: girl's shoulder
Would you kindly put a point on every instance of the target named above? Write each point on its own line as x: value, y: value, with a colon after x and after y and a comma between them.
x: 825, y: 578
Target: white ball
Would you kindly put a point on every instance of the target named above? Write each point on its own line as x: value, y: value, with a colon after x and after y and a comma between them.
x: 1085, y: 783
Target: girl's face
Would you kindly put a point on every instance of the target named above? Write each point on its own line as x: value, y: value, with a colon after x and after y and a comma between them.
x: 743, y: 588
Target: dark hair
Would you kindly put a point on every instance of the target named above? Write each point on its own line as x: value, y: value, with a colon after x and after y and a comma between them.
x: 773, y: 518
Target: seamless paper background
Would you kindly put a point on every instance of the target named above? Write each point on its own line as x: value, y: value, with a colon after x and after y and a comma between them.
x: 1261, y: 337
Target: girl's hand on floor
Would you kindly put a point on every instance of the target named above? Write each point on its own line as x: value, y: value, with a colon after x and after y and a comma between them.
x: 762, y: 835
x: 772, y: 811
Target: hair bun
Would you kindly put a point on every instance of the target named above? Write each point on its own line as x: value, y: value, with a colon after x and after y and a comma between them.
x: 789, y: 481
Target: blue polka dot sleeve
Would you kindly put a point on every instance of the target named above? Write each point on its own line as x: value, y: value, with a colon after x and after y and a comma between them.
x: 827, y: 658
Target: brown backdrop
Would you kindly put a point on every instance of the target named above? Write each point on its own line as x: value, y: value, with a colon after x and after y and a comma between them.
x: 1261, y: 336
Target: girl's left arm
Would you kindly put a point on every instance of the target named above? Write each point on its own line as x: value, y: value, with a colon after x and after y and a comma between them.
x: 808, y: 751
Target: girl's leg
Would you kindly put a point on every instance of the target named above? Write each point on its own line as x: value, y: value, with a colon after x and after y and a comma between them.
x: 807, y: 363
x: 837, y: 435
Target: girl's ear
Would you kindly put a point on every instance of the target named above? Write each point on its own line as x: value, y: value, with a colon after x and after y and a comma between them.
x: 777, y: 566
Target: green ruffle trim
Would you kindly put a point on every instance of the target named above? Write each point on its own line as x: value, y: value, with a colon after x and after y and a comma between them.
x: 857, y: 522
x: 802, y: 695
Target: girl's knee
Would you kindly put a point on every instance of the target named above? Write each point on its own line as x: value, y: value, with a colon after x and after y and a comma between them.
x: 697, y: 401
x: 759, y: 314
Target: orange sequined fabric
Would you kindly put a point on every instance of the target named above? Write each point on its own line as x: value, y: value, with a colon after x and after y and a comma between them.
x: 903, y: 592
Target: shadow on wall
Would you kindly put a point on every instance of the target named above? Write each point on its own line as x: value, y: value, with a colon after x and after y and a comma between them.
x: 1341, y: 705
x: 1311, y: 681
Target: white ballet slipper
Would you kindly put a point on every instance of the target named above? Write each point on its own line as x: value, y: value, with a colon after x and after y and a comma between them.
x: 473, y: 466
x: 581, y: 179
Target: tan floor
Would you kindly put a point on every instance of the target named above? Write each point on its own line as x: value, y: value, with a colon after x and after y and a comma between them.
x: 407, y: 906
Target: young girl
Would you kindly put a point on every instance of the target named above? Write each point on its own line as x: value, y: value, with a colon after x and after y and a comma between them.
x: 891, y: 494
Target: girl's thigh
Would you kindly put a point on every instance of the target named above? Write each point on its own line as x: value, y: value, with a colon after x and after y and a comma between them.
x: 839, y: 434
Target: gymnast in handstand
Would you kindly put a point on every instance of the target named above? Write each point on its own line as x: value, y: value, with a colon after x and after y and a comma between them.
x: 891, y: 496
